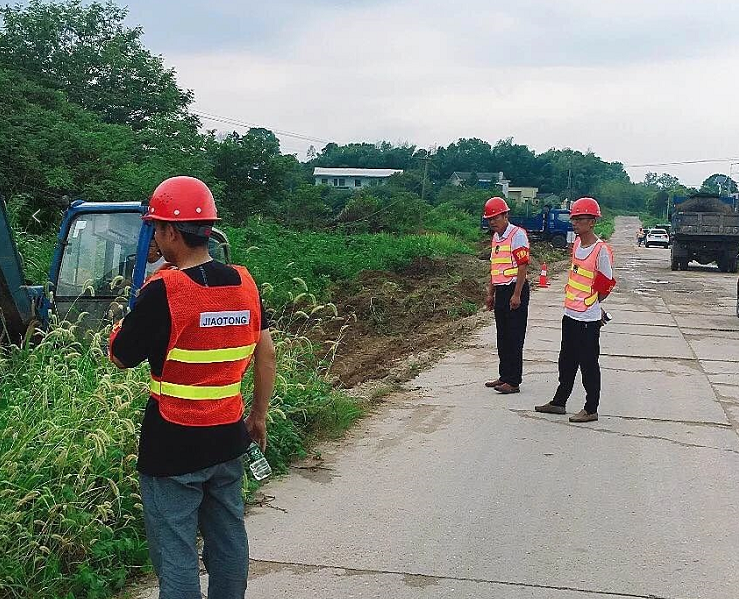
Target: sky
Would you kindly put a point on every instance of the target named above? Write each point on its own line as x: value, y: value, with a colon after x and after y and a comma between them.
x: 635, y: 81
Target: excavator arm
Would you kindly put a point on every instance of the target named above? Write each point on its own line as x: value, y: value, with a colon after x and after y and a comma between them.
x: 16, y: 304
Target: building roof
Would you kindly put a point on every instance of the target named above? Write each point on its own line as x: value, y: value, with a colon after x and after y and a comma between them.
x: 354, y: 172
x: 480, y: 176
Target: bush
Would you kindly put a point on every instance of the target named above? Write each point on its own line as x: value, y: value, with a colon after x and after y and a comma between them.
x: 278, y: 255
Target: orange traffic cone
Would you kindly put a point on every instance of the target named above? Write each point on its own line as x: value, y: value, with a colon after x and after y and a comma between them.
x: 543, y: 276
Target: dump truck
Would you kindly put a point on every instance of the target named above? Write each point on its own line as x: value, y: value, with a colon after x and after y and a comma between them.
x: 551, y: 224
x: 98, y: 266
x: 704, y: 228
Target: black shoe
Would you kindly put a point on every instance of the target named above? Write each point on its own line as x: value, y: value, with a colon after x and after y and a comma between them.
x: 550, y: 408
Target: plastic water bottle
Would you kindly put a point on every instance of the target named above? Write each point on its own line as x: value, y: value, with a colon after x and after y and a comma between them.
x: 258, y: 464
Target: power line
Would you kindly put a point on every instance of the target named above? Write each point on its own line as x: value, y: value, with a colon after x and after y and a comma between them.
x: 683, y: 162
x: 232, y: 121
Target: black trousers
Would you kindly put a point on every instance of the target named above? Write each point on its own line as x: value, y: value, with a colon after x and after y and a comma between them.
x: 510, y: 326
x: 580, y: 349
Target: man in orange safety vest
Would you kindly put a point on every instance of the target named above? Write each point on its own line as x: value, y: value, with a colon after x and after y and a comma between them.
x: 508, y: 293
x: 589, y: 282
x: 200, y: 324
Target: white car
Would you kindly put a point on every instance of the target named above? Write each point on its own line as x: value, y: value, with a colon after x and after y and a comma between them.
x: 657, y: 237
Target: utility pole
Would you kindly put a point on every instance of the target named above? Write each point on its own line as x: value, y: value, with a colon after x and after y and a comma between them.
x: 569, y: 182
x: 425, y: 174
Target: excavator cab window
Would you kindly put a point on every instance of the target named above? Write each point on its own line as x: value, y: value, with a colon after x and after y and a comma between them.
x: 99, y: 260
x: 99, y: 255
x: 97, y: 264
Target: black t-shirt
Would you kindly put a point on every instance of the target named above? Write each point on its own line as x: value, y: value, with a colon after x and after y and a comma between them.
x: 166, y: 448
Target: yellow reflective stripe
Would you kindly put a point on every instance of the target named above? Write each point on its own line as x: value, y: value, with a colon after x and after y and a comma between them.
x: 193, y: 391
x: 507, y: 271
x: 501, y: 260
x: 579, y: 286
x: 501, y: 248
x: 210, y: 356
x: 581, y: 271
x: 588, y: 301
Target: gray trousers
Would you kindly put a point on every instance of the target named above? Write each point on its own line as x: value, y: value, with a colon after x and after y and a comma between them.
x: 175, y: 507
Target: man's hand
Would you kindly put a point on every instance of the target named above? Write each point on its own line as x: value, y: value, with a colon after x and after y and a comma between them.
x: 264, y: 381
x: 256, y: 426
x: 490, y: 298
x: 515, y: 301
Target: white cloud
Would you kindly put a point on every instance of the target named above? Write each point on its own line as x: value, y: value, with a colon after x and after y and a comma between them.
x: 635, y: 81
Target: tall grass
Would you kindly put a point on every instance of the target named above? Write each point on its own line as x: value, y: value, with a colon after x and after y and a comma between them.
x: 605, y: 226
x: 278, y: 255
x: 70, y: 511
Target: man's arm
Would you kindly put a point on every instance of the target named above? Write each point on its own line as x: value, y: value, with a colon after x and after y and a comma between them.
x: 604, y: 281
x: 265, y: 368
x: 143, y: 329
x: 521, y: 255
x: 523, y: 269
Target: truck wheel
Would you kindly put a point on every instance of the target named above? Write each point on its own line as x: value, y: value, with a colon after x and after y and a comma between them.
x: 559, y: 241
x: 684, y: 264
x: 727, y: 263
x: 733, y: 264
x: 674, y: 264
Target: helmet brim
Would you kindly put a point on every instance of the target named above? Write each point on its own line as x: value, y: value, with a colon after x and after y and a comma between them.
x: 176, y: 219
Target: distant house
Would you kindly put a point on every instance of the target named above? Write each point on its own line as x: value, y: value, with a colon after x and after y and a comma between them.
x: 352, y: 178
x: 483, y: 179
x: 525, y: 195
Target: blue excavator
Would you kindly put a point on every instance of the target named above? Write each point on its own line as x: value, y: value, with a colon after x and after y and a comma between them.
x: 99, y: 265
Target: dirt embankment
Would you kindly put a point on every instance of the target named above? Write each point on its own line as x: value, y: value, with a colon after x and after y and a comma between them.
x: 425, y: 307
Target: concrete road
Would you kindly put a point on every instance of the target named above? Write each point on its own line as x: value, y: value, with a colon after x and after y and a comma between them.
x: 451, y: 490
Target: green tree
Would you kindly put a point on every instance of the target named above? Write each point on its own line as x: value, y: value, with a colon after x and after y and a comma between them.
x: 517, y: 162
x: 720, y: 184
x: 621, y: 195
x: 86, y: 51
x: 305, y: 208
x: 253, y: 171
x: 469, y: 200
x: 51, y: 148
x: 464, y: 155
x: 367, y: 155
x: 657, y: 203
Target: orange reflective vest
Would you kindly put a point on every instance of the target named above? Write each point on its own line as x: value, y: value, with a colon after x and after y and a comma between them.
x: 579, y: 293
x: 503, y: 268
x: 214, y: 333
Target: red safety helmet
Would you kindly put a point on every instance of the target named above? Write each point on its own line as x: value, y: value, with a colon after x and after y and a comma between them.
x: 585, y: 207
x: 494, y: 207
x: 180, y: 199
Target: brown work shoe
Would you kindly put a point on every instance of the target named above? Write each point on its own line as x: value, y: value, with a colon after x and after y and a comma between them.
x: 495, y: 383
x: 583, y: 416
x: 506, y: 388
x: 550, y: 408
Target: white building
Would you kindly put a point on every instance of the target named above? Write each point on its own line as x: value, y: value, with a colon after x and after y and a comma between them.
x: 352, y: 178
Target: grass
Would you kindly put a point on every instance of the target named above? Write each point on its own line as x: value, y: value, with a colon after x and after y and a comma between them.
x: 70, y: 512
x: 279, y: 255
x: 605, y: 226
